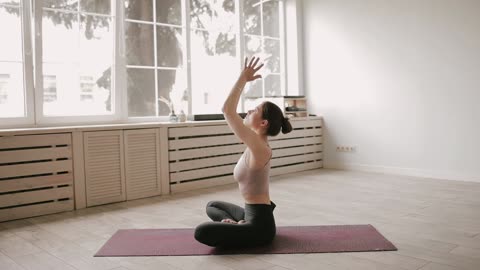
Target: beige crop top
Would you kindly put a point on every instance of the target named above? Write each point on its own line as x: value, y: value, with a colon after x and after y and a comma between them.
x: 251, y: 181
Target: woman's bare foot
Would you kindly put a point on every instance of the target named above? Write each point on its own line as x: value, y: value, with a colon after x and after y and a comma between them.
x: 227, y: 220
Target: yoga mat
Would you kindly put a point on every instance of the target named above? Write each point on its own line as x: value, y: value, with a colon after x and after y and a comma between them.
x: 295, y: 239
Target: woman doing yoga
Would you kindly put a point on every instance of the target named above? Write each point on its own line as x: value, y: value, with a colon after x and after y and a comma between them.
x: 232, y: 225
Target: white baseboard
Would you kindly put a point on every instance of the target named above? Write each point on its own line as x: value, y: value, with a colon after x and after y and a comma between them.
x: 446, y: 175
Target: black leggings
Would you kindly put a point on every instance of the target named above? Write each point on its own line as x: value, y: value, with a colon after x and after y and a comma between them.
x: 258, y: 229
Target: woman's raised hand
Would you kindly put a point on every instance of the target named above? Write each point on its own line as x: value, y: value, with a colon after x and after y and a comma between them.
x: 251, y: 68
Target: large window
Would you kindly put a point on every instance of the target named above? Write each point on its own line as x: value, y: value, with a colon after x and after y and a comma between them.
x: 12, y: 88
x: 154, y: 38
x: 261, y: 26
x: 77, y: 57
x: 106, y: 60
x: 214, y: 57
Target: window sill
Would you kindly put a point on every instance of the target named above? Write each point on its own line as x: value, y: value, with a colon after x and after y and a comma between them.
x: 98, y: 127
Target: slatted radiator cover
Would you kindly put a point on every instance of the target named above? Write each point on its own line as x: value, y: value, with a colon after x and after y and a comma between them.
x: 36, y: 175
x: 104, y: 167
x: 142, y: 163
x: 203, y: 156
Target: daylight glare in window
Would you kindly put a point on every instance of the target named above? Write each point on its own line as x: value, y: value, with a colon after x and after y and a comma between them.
x: 78, y: 46
x: 12, y: 88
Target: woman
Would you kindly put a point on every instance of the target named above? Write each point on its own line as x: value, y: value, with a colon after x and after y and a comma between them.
x: 234, y: 226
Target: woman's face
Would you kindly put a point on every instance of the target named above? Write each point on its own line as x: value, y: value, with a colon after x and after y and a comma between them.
x: 254, y: 119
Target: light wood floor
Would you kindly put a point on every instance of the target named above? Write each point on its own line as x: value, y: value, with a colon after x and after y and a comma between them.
x: 434, y: 223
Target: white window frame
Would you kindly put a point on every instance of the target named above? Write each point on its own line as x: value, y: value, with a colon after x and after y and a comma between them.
x: 293, y: 43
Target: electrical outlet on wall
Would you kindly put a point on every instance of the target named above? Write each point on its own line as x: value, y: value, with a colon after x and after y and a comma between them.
x: 346, y: 148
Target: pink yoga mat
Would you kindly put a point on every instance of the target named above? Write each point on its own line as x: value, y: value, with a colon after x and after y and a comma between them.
x: 301, y: 239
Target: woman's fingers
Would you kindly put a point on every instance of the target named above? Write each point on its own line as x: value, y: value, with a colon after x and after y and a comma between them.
x: 251, y: 61
x: 251, y: 68
x: 259, y: 67
x: 256, y: 62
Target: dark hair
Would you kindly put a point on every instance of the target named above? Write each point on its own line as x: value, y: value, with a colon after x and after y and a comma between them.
x: 276, y: 120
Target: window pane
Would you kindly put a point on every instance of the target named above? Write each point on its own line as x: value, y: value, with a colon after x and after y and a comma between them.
x: 253, y: 46
x: 213, y: 72
x: 12, y: 94
x: 225, y: 43
x: 271, y: 22
x: 61, y: 90
x: 96, y: 40
x: 172, y: 86
x: 72, y: 90
x: 96, y: 43
x: 96, y: 6
x: 254, y: 89
x: 11, y: 34
x: 251, y: 17
x: 139, y: 44
x: 139, y: 10
x: 95, y: 90
x: 141, y: 92
x: 60, y: 37
x: 272, y: 85
x: 61, y: 4
x: 272, y: 54
x: 169, y: 11
x: 77, y: 61
x: 216, y: 15
x: 169, y: 47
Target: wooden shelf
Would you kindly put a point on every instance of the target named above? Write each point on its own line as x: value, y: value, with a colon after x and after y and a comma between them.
x: 299, y: 104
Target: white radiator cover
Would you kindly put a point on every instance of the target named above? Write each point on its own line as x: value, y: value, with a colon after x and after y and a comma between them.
x: 36, y: 175
x: 121, y: 165
x: 205, y: 156
x: 51, y: 172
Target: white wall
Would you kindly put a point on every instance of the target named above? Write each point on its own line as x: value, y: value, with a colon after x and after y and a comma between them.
x: 398, y: 79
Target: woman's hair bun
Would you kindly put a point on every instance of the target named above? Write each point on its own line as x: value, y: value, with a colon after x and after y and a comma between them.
x: 286, y: 125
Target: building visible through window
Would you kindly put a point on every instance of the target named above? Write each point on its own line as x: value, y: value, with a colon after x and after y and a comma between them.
x: 4, y: 78
x: 49, y: 88
x: 86, y: 88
